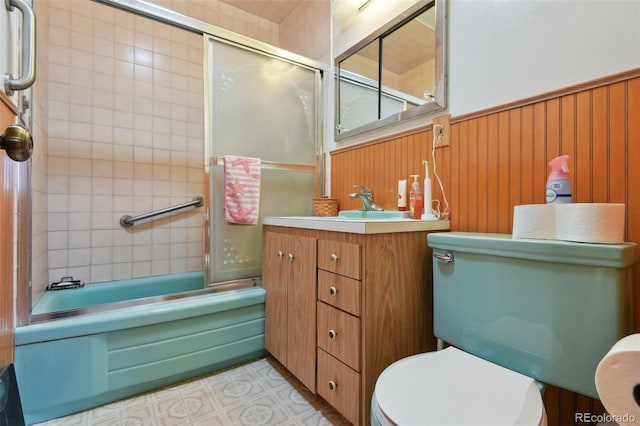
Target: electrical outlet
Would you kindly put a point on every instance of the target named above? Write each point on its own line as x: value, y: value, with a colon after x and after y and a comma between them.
x: 440, y: 127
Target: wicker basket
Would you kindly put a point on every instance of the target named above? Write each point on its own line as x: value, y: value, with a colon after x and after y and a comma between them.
x: 325, y: 206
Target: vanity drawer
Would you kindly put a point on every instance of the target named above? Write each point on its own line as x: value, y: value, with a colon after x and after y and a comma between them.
x: 339, y: 291
x: 338, y: 333
x: 340, y: 258
x: 339, y: 386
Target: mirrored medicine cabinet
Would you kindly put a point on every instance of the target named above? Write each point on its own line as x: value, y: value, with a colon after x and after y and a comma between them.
x: 395, y: 74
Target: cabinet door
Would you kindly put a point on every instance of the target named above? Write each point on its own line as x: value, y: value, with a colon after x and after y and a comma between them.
x: 301, y: 341
x: 274, y: 280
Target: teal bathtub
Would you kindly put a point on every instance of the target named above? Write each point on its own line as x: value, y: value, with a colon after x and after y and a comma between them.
x: 85, y: 355
x: 93, y: 295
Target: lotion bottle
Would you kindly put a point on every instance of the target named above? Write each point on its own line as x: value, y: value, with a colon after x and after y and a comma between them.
x: 415, y: 198
x: 427, y: 208
x: 402, y: 195
x: 559, y: 183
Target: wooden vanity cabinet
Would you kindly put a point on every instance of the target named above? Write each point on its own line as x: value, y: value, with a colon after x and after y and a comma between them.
x: 374, y: 307
x: 289, y: 278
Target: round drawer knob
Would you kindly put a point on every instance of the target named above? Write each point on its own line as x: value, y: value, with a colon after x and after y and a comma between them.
x: 291, y: 256
x: 332, y: 385
x: 333, y: 291
x: 333, y: 258
x: 280, y: 253
x: 332, y: 334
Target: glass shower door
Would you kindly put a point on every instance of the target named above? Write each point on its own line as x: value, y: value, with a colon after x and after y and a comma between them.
x: 267, y: 107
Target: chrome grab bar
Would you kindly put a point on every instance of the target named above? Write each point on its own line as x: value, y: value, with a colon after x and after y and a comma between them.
x: 127, y: 220
x: 28, y: 48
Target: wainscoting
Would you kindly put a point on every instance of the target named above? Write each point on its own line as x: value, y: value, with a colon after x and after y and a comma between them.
x: 498, y: 159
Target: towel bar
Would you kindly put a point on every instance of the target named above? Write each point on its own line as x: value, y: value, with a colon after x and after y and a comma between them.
x: 219, y: 161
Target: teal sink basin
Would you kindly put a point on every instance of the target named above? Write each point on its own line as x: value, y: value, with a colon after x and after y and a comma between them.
x: 372, y: 214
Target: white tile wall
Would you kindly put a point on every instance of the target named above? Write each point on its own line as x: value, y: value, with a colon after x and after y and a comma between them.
x: 122, y: 89
x: 123, y: 124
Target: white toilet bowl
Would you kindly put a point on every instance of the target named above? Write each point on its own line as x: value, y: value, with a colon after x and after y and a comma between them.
x: 452, y: 387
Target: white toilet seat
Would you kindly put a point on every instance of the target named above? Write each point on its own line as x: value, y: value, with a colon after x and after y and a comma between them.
x: 452, y: 387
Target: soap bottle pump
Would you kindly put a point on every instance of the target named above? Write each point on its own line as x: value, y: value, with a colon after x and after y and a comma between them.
x: 559, y: 183
x: 427, y: 204
x: 415, y: 198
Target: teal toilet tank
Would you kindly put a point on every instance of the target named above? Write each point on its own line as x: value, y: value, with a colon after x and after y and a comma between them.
x: 548, y: 309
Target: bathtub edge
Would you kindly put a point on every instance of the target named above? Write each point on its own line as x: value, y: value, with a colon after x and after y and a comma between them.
x: 134, y: 316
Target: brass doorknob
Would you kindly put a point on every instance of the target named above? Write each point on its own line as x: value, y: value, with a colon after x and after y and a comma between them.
x: 18, y: 143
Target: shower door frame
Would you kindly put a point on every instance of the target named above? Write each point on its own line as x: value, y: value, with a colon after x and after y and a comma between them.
x: 210, y: 161
x: 208, y: 32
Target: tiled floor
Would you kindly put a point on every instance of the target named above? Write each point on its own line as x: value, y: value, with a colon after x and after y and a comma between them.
x: 261, y: 392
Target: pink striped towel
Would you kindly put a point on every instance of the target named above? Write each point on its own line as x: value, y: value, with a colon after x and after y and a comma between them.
x: 241, y: 189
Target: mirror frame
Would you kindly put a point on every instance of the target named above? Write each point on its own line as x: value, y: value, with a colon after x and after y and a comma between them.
x: 440, y: 96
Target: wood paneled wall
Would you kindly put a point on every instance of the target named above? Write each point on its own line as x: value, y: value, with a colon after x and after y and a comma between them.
x: 7, y: 213
x: 498, y: 159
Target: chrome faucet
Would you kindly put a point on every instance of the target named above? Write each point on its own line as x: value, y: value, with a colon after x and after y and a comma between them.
x: 366, y: 196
